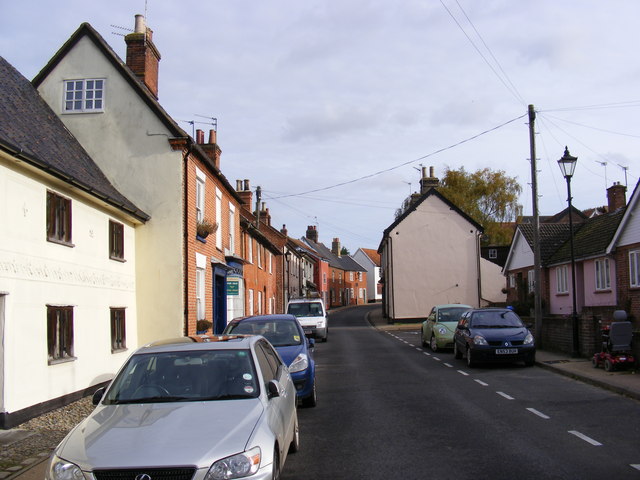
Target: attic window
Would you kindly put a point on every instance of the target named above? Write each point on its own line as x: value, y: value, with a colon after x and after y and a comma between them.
x: 84, y: 95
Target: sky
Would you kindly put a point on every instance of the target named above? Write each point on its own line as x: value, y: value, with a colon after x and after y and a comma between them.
x: 333, y: 107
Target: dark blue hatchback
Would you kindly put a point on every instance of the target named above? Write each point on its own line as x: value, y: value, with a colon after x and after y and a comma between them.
x: 493, y: 335
x: 296, y: 350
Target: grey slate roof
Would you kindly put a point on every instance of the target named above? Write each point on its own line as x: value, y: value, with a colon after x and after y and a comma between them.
x: 343, y: 262
x: 31, y: 131
x: 552, y: 237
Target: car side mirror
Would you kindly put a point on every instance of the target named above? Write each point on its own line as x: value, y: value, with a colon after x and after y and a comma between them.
x: 460, y: 326
x: 273, y: 389
x: 97, y: 395
x: 312, y: 342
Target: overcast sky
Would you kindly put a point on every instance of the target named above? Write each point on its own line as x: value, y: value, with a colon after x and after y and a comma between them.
x: 313, y: 94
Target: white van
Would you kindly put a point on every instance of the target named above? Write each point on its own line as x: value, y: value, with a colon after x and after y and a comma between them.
x: 312, y: 315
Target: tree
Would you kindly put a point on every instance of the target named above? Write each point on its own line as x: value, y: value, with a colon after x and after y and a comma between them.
x: 344, y: 251
x: 489, y: 197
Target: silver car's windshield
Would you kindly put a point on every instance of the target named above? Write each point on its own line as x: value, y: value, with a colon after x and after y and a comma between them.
x: 280, y: 333
x: 452, y: 314
x: 185, y: 377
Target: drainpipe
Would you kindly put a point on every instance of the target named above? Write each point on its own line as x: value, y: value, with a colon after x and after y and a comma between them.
x: 478, y: 267
x: 185, y: 240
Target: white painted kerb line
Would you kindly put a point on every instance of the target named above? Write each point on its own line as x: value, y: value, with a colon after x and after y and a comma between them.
x: 540, y: 414
x: 502, y: 394
x: 585, y: 438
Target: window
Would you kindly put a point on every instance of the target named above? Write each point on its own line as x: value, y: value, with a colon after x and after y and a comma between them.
x: 634, y: 268
x: 351, y: 276
x: 361, y: 293
x: 259, y: 252
x: 340, y: 277
x: 562, y: 279
x: 200, y: 194
x: 219, y: 218
x: 512, y: 280
x: 118, y: 330
x: 232, y: 228
x: 359, y: 276
x: 250, y: 302
x: 84, y: 95
x: 59, y: 334
x: 270, y: 262
x: 58, y: 219
x: 200, y: 310
x: 324, y: 278
x: 259, y: 303
x: 116, y: 240
x: 531, y: 281
x: 493, y: 253
x: 603, y: 281
x: 250, y: 249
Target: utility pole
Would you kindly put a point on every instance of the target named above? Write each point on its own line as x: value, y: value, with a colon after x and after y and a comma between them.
x: 536, y: 230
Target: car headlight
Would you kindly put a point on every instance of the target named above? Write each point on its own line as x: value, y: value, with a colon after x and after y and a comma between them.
x: 60, y: 469
x: 442, y: 331
x: 528, y: 340
x: 300, y: 363
x: 236, y: 466
x: 479, y: 340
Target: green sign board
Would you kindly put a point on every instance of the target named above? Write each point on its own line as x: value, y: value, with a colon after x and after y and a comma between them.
x: 233, y: 287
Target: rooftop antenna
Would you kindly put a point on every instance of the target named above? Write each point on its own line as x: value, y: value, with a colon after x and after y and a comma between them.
x: 625, y: 173
x: 408, y: 183
x: 604, y: 164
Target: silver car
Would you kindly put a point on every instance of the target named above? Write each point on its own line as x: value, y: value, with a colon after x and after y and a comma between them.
x: 194, y: 408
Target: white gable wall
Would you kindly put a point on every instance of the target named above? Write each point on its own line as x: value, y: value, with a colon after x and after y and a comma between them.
x: 131, y: 146
x: 434, y: 260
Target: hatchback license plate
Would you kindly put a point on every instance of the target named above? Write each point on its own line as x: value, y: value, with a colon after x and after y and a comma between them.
x: 506, y: 351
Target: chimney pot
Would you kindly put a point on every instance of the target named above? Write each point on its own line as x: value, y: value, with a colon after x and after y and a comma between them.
x: 213, y: 136
x: 238, y: 185
x: 140, y: 26
x: 246, y: 184
x: 199, y: 137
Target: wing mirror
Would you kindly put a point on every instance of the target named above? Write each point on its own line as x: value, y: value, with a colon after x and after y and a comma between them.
x: 273, y: 389
x: 97, y: 395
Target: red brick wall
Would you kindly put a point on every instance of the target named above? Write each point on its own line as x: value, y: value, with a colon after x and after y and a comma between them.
x: 628, y: 297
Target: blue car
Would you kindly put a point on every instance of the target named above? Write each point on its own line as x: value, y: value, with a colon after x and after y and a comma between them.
x: 296, y: 350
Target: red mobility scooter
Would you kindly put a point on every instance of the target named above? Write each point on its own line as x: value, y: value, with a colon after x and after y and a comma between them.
x: 616, y: 344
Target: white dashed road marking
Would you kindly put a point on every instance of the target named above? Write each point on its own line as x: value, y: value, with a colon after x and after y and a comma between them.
x: 462, y: 372
x: 540, y: 414
x: 636, y: 466
x: 448, y: 365
x: 482, y: 383
x: 585, y: 438
x: 502, y: 394
x: 436, y: 359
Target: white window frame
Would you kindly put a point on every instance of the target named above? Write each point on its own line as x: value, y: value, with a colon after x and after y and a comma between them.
x: 83, y: 90
x: 200, y: 194
x: 603, y: 279
x: 493, y: 253
x: 219, y: 218
x: 259, y: 302
x: 562, y: 279
x: 512, y: 280
x: 259, y: 253
x: 232, y: 228
x: 634, y: 268
x: 531, y: 281
x: 351, y: 276
x: 270, y: 256
x: 251, y: 302
x: 200, y: 282
x: 250, y: 248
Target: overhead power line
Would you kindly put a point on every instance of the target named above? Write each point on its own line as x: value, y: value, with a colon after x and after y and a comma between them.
x: 364, y: 177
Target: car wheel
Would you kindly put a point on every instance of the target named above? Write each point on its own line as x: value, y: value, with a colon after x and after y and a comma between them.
x: 456, y: 351
x: 275, y: 475
x: 470, y: 360
x: 608, y: 365
x: 326, y: 335
x: 311, y: 400
x: 295, y: 442
x: 530, y: 361
x: 433, y: 344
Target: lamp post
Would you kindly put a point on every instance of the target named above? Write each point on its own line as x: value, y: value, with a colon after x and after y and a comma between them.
x: 568, y: 165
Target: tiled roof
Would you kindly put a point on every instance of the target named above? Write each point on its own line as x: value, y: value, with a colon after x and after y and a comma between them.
x: 373, y: 255
x: 31, y: 131
x: 343, y: 262
x: 591, y: 238
x: 552, y: 237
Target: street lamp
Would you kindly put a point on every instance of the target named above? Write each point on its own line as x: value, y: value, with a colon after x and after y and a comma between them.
x: 568, y: 165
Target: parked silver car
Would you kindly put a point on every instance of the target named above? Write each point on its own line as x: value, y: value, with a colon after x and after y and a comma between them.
x: 201, y: 408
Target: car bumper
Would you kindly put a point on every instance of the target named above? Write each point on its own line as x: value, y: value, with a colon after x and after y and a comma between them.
x: 444, y: 341
x: 492, y: 354
x: 315, y: 332
x: 303, y: 381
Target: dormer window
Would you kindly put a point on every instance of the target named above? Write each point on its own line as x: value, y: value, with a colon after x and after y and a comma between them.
x: 81, y: 96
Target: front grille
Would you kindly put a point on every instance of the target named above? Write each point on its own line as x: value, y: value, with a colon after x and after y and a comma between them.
x: 500, y: 343
x: 180, y: 473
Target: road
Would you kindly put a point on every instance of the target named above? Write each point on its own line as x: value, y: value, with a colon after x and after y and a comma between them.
x: 390, y: 409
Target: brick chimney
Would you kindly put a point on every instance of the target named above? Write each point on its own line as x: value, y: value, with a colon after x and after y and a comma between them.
x: 211, y: 149
x: 312, y: 233
x: 244, y: 190
x: 428, y: 182
x: 265, y: 216
x: 143, y: 57
x: 284, y: 230
x: 616, y: 196
x: 335, y: 247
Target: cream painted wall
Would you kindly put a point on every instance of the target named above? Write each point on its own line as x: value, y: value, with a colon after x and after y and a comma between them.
x: 493, y: 281
x: 131, y: 146
x: 434, y: 257
x: 35, y: 273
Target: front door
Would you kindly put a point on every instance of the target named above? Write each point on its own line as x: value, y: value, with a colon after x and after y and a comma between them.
x: 219, y: 300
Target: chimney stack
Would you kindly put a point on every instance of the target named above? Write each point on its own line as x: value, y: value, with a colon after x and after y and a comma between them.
x: 244, y: 192
x: 211, y: 149
x: 335, y: 247
x: 428, y: 182
x: 264, y: 214
x: 284, y: 231
x: 143, y: 58
x: 616, y: 196
x: 312, y: 233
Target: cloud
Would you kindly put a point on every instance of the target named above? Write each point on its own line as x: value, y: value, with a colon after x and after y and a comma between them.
x: 328, y: 123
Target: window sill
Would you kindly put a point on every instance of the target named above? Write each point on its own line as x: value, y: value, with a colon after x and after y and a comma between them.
x: 117, y: 259
x: 565, y: 294
x: 119, y: 350
x: 56, y: 361
x: 201, y: 239
x: 607, y: 290
x: 60, y: 242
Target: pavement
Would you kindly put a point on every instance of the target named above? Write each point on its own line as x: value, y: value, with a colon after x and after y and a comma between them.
x: 624, y: 382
